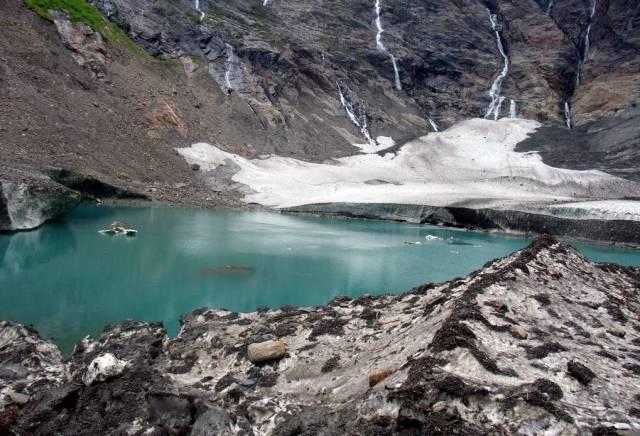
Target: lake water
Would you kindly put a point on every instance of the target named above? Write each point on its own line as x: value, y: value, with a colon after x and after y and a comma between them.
x: 68, y: 280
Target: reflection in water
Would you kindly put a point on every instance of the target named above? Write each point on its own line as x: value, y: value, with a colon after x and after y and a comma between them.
x: 70, y: 281
x: 22, y: 251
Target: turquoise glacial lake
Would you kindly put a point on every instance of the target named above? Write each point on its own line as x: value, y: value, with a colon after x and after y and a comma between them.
x: 69, y: 281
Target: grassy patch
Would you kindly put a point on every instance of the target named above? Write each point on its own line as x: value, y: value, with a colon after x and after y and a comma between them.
x: 77, y: 10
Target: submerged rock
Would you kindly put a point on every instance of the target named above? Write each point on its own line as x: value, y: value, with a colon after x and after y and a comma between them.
x: 459, y: 369
x: 228, y: 270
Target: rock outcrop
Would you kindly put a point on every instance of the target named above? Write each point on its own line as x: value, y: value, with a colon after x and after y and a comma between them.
x: 90, y: 187
x: 87, y: 46
x: 28, y: 199
x: 439, y: 359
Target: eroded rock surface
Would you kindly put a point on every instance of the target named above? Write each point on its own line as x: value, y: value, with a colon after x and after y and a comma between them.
x: 28, y: 199
x: 446, y: 359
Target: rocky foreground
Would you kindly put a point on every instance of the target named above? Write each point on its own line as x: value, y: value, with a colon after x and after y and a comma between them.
x: 540, y: 342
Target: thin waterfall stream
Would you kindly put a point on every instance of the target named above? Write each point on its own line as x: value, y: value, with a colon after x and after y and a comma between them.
x: 496, y: 87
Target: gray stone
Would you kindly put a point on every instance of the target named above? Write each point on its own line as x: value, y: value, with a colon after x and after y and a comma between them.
x: 214, y: 421
x: 18, y: 398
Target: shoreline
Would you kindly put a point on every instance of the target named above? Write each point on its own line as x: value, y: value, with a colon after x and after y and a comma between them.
x: 452, y: 218
x: 619, y: 233
x: 346, y: 214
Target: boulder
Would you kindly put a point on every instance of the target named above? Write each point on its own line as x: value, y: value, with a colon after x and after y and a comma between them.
x: 17, y: 398
x: 266, y: 351
x: 103, y: 368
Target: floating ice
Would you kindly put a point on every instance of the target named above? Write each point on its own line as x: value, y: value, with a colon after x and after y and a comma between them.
x: 432, y: 238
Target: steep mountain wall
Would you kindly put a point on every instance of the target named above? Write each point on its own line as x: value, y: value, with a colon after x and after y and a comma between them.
x: 446, y: 54
x: 313, y: 80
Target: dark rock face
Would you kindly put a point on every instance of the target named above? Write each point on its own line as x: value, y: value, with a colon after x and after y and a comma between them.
x: 611, y: 144
x: 90, y: 187
x: 446, y: 53
x: 5, y: 219
x: 446, y: 353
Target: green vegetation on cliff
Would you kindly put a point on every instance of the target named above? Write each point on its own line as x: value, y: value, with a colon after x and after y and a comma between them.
x: 80, y: 11
x: 77, y: 10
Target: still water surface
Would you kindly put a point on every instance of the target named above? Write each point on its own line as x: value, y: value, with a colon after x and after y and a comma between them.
x: 69, y: 281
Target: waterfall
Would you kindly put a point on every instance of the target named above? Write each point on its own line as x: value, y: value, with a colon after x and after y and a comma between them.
x: 202, y: 14
x: 381, y: 46
x: 494, y: 92
x: 582, y: 59
x: 265, y: 2
x: 359, y: 123
x: 550, y: 6
x: 513, y: 113
x: 499, y: 107
x: 230, y: 60
x: 434, y: 126
x: 567, y: 114
x: 586, y: 45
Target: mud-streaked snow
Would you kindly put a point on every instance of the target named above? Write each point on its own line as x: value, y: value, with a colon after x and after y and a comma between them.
x: 473, y: 164
x: 607, y: 209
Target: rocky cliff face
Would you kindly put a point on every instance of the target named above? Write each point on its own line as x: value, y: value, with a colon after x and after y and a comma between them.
x: 446, y: 54
x: 540, y: 341
x: 268, y: 78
